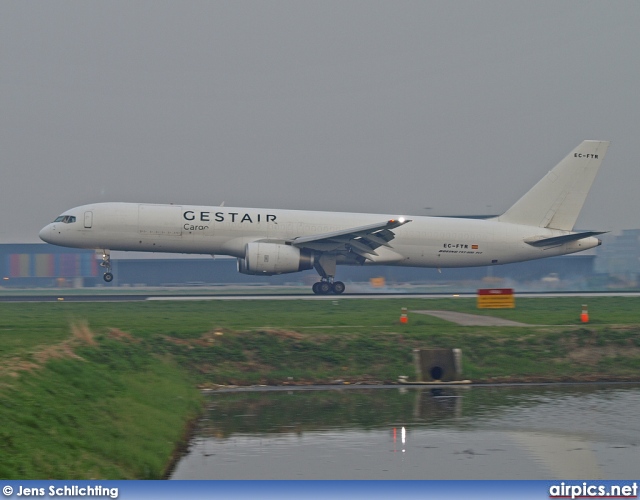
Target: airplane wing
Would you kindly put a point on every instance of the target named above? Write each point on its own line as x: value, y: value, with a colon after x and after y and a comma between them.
x: 362, y: 240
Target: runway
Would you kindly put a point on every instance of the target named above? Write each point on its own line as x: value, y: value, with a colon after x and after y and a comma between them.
x: 156, y: 296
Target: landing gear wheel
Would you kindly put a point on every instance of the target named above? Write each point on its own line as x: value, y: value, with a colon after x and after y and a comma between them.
x: 326, y: 287
x: 106, y: 263
x: 321, y: 288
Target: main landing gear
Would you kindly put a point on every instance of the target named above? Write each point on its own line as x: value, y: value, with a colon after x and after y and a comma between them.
x: 106, y: 263
x: 325, y: 287
x: 326, y: 267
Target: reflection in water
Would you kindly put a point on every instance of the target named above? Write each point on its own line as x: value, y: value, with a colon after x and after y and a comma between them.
x: 541, y: 432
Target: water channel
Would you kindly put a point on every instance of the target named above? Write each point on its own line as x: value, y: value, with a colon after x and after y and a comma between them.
x: 480, y: 432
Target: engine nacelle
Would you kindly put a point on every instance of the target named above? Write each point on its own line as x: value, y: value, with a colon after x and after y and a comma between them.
x: 274, y: 258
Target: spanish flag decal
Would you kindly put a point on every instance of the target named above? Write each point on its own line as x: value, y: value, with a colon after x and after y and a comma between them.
x: 474, y: 247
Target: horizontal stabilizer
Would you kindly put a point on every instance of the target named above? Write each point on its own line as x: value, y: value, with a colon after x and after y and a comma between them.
x: 561, y: 240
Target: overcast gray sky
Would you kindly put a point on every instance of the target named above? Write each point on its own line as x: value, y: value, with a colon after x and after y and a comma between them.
x: 364, y: 106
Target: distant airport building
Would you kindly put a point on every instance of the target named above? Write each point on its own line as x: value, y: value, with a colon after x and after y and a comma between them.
x: 36, y: 265
x: 619, y: 257
x: 43, y: 265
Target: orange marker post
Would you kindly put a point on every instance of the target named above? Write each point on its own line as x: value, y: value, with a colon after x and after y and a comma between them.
x: 403, y: 316
x: 584, y: 316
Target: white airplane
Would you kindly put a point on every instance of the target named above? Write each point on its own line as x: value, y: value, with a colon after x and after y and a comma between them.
x: 268, y: 242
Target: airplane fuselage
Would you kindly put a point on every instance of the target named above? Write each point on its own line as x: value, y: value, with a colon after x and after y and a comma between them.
x: 425, y: 242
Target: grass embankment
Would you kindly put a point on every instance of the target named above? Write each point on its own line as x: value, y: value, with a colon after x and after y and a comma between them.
x: 106, y: 390
x: 89, y: 406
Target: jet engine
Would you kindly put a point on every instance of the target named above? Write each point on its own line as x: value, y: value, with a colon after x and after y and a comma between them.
x: 274, y: 258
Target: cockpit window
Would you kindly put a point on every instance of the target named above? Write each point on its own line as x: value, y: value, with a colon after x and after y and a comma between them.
x: 66, y: 219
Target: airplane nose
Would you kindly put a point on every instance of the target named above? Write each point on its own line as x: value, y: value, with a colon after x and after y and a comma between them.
x: 45, y: 234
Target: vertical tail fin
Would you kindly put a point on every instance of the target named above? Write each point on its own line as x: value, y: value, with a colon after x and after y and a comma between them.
x: 555, y: 202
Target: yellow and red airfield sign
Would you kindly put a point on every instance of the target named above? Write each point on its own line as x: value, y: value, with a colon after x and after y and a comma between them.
x: 496, y: 298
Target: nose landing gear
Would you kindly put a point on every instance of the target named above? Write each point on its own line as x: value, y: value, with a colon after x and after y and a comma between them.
x: 106, y: 263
